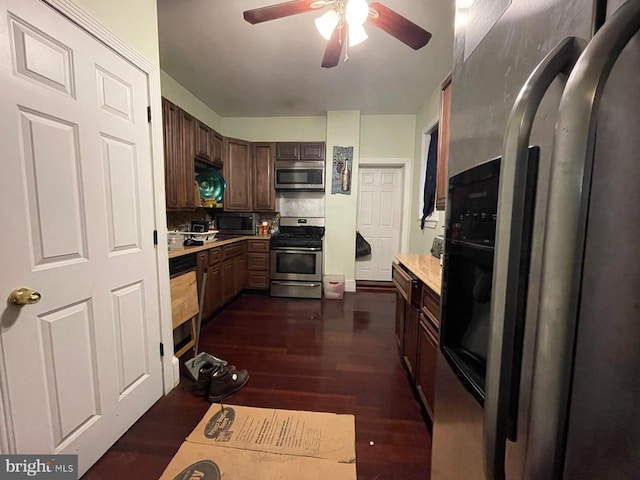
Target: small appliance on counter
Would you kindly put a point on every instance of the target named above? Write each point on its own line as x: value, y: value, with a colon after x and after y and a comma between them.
x: 236, y: 223
x: 437, y: 247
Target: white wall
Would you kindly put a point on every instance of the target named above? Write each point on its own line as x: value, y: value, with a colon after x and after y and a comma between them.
x: 420, y: 240
x: 343, y: 130
x: 176, y: 93
x: 134, y: 22
x: 387, y: 136
x: 276, y: 129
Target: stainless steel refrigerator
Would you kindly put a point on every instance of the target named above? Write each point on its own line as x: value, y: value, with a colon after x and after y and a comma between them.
x: 538, y: 371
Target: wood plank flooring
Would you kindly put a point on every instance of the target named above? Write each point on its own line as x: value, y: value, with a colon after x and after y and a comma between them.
x: 321, y: 355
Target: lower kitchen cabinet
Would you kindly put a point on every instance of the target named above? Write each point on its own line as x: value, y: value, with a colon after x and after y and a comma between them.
x: 426, y: 366
x: 213, y: 296
x: 416, y: 332
x: 258, y: 275
x: 234, y: 267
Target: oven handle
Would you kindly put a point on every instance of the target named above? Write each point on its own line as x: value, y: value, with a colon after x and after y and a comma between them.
x: 296, y: 284
x: 297, y: 249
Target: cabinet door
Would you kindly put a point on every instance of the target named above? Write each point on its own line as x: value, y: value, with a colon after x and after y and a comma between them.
x: 228, y: 280
x: 443, y: 145
x: 287, y: 151
x: 410, y: 340
x: 188, y: 127
x: 400, y: 308
x: 312, y: 151
x: 202, y: 265
x: 426, y: 364
x: 216, y: 147
x: 203, y: 146
x: 264, y: 192
x: 172, y: 165
x: 213, y: 299
x: 237, y: 173
x: 240, y: 273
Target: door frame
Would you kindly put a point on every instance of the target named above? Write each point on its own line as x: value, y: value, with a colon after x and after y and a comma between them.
x: 405, y: 164
x: 86, y: 22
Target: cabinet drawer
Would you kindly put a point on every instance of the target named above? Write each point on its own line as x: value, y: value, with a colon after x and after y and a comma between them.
x: 233, y: 250
x: 215, y: 255
x: 431, y: 305
x: 258, y: 246
x: 258, y: 280
x: 407, y: 284
x: 258, y: 261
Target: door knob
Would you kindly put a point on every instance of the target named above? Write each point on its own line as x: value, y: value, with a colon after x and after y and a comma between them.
x: 24, y: 296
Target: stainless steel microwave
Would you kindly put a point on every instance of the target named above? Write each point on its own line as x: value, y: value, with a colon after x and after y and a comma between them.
x: 232, y: 223
x: 303, y: 175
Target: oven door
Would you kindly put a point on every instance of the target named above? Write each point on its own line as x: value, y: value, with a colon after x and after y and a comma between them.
x: 302, y: 264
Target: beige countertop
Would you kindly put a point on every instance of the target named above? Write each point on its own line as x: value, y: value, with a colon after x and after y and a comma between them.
x: 424, y: 266
x: 216, y: 243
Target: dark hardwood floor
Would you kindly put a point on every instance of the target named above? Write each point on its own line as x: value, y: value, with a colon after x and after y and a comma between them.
x: 330, y: 355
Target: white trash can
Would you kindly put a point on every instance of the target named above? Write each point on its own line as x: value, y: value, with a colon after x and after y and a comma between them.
x: 333, y: 286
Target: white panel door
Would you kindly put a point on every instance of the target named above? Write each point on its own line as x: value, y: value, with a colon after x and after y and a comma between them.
x: 82, y: 364
x: 379, y: 220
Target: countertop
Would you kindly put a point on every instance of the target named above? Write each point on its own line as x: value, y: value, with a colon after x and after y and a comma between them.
x: 424, y: 266
x: 216, y: 243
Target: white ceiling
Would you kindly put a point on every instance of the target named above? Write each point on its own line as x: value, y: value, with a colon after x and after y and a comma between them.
x: 273, y: 68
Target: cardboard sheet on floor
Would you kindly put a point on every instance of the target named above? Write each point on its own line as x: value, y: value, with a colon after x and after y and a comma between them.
x: 206, y: 462
x: 235, y: 442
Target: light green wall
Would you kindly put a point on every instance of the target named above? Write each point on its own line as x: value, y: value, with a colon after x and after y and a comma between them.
x: 420, y: 240
x: 343, y: 130
x: 387, y: 136
x: 276, y: 129
x: 183, y: 98
x: 135, y: 22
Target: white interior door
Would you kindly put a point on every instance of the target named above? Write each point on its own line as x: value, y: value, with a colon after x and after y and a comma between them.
x: 379, y: 220
x: 79, y: 367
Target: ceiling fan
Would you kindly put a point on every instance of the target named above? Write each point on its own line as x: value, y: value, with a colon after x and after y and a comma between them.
x: 344, y: 21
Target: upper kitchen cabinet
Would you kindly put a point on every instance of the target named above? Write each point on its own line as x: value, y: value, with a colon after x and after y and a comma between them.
x: 300, y: 151
x: 237, y: 171
x: 443, y: 144
x: 203, y: 144
x: 179, y: 143
x: 264, y: 193
x: 217, y: 152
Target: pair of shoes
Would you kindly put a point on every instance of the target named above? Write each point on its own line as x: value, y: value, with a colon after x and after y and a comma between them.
x: 201, y: 386
x: 226, y: 380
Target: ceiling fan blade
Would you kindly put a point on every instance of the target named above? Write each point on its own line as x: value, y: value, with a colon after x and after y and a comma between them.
x: 334, y: 48
x: 398, y: 26
x: 279, y: 10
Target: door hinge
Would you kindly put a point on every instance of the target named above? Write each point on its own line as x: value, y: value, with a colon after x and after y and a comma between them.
x: 149, y: 114
x: 162, y: 349
x: 155, y: 237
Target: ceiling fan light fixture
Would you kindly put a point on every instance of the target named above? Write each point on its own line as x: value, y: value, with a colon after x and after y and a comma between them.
x: 356, y: 12
x: 357, y: 34
x: 327, y: 23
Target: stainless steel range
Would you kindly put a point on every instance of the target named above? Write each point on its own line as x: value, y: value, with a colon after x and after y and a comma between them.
x: 296, y: 258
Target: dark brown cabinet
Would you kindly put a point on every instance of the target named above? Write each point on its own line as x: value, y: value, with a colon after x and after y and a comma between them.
x: 258, y: 264
x: 188, y: 193
x: 216, y: 148
x: 234, y: 267
x: 173, y: 167
x: 237, y: 169
x: 300, y: 151
x: 443, y: 144
x: 203, y: 144
x: 416, y: 332
x: 410, y: 340
x: 264, y: 193
x: 213, y: 296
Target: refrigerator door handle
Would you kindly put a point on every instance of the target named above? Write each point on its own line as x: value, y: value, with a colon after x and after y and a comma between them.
x: 507, y: 309
x: 564, y: 241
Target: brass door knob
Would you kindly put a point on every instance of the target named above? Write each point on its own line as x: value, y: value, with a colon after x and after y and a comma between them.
x: 24, y: 296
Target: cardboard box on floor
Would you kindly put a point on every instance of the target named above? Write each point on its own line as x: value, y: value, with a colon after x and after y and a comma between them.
x: 235, y: 442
